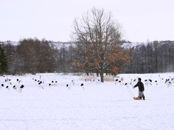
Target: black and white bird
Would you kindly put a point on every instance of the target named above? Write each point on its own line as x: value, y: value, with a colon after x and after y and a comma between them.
x: 41, y: 84
x: 82, y: 85
x: 21, y: 88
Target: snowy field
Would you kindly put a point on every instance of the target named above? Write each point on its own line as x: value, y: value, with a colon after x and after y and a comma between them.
x: 93, y: 106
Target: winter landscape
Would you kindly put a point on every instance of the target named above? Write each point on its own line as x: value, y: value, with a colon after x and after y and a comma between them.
x: 76, y: 65
x: 80, y: 102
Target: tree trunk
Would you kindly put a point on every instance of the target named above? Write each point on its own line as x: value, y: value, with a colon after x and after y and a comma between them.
x: 102, y: 75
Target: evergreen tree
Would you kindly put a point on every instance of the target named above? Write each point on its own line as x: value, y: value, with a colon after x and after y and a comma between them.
x: 3, y: 61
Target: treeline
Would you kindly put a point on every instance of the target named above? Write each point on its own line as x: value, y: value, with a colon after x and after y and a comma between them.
x: 40, y: 56
x: 153, y: 57
x: 37, y: 56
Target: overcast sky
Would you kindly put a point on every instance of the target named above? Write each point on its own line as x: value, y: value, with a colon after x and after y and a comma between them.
x: 142, y: 20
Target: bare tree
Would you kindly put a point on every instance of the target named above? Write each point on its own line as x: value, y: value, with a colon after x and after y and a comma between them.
x: 99, y: 43
x: 37, y: 56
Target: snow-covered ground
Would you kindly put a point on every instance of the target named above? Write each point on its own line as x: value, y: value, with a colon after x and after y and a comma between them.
x: 97, y: 106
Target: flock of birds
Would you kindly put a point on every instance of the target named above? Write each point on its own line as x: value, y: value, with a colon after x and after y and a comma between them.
x: 18, y: 86
x: 8, y: 84
x: 149, y: 81
x: 55, y: 83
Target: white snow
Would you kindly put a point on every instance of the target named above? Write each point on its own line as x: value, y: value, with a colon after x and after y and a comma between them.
x: 99, y: 106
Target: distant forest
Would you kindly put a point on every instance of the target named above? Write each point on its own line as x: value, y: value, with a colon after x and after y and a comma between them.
x: 152, y: 57
x: 40, y: 56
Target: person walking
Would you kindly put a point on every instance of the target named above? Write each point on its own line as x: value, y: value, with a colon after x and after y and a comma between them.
x: 140, y: 86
